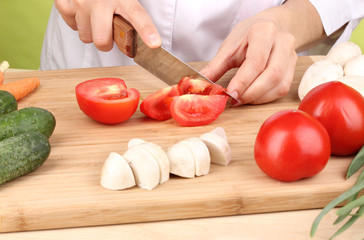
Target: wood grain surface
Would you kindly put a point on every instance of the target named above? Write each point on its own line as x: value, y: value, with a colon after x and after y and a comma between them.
x: 65, y: 191
x: 291, y: 225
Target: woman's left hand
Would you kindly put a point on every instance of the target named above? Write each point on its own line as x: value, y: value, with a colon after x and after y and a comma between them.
x: 265, y: 56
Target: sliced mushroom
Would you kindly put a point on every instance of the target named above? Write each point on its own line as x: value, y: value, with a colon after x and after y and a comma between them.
x: 116, y: 173
x: 200, y: 154
x: 161, y: 157
x: 343, y: 52
x: 355, y: 66
x: 135, y: 141
x: 144, y: 166
x: 157, y: 152
x: 221, y: 132
x: 219, y: 148
x: 181, y: 160
x: 318, y: 73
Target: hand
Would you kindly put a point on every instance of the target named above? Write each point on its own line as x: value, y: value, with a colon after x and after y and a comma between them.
x: 266, y: 59
x: 93, y: 20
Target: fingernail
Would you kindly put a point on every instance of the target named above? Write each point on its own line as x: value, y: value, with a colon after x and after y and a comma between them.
x: 235, y: 94
x: 238, y: 103
x: 154, y: 40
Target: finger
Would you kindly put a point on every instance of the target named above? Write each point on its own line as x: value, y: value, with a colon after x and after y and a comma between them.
x: 221, y: 63
x: 101, y: 25
x: 134, y: 12
x: 83, y: 22
x: 279, y: 91
x: 67, y: 10
x: 260, y: 42
x: 277, y: 80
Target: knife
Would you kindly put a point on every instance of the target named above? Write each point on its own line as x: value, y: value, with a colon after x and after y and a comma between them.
x: 158, y: 61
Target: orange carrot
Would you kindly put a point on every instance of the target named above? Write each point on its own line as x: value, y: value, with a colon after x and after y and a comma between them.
x: 22, y: 87
x: 1, y: 77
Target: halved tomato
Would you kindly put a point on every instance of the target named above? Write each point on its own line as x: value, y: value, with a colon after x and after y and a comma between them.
x: 197, y: 110
x: 107, y: 100
x: 189, y: 85
x: 157, y: 104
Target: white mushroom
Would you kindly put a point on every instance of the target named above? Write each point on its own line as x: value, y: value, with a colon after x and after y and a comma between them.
x: 135, y: 141
x: 319, y: 72
x: 356, y: 82
x: 343, y: 52
x: 200, y: 154
x: 116, y: 173
x: 144, y: 166
x: 161, y: 157
x: 157, y: 152
x: 219, y: 148
x: 355, y: 66
x: 181, y: 160
x: 221, y: 132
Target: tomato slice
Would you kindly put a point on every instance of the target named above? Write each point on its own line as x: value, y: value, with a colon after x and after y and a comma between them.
x: 157, y: 104
x: 107, y: 100
x: 189, y: 85
x: 197, y: 110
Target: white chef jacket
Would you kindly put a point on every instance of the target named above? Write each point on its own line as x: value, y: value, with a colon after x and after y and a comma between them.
x: 192, y: 29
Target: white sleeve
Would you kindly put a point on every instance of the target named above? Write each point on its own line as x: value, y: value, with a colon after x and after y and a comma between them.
x: 336, y: 13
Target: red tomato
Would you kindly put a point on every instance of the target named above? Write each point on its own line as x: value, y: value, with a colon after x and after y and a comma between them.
x: 340, y: 109
x: 107, y: 100
x: 190, y: 85
x: 197, y: 110
x: 157, y: 104
x: 292, y: 145
x: 192, y: 102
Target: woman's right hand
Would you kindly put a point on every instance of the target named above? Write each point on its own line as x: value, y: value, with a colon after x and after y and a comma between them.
x: 93, y: 20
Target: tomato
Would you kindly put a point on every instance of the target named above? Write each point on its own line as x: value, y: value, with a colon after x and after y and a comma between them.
x: 197, y: 110
x: 157, y: 104
x: 107, y: 100
x: 189, y: 85
x: 292, y: 145
x: 340, y: 109
x: 191, y: 102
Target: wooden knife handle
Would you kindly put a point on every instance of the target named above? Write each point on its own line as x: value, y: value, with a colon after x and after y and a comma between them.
x: 124, y: 36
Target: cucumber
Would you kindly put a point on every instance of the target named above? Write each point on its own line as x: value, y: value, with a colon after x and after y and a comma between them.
x: 22, y: 154
x: 8, y: 102
x: 27, y: 120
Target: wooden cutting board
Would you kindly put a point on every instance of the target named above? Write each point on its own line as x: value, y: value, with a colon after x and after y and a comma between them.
x: 65, y: 190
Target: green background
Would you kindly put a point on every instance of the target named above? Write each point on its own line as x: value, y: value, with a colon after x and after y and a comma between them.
x: 23, y: 23
x: 22, y: 27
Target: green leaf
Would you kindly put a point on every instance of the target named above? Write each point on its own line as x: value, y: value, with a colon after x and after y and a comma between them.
x: 355, y: 189
x: 356, y: 163
x: 350, y: 222
x: 340, y: 218
x: 352, y: 198
x: 350, y: 206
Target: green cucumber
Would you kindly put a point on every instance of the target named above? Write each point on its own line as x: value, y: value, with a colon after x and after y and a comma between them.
x: 27, y: 120
x: 8, y: 102
x: 22, y: 154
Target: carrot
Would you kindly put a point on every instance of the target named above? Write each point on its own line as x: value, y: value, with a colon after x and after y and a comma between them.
x: 22, y: 87
x: 3, y: 66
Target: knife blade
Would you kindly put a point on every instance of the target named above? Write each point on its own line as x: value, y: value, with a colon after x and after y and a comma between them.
x: 158, y: 61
